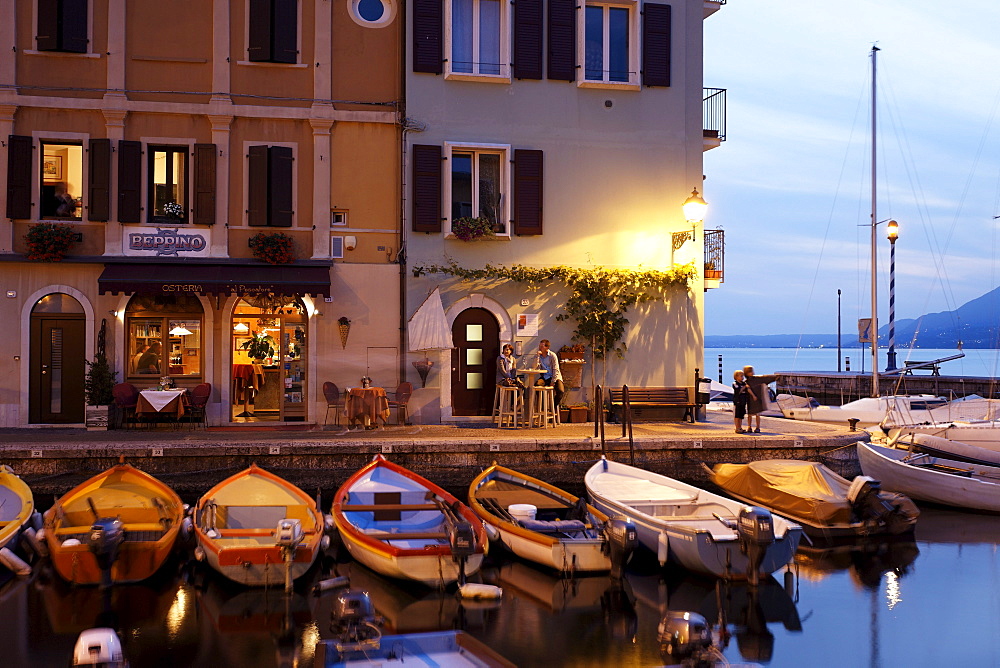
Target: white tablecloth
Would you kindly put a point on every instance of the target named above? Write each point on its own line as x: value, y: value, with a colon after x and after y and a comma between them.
x: 159, y: 399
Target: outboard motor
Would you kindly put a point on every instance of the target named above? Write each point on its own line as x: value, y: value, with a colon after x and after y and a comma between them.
x: 620, y: 541
x: 353, y: 620
x: 99, y: 647
x: 462, y: 539
x: 755, y: 529
x: 684, y: 637
x: 869, y: 506
x: 106, y: 535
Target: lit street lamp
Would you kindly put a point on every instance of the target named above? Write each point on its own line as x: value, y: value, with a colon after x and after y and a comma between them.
x: 694, y: 208
x: 892, y: 232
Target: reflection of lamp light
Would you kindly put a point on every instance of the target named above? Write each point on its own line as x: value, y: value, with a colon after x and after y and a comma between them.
x: 241, y: 327
x: 180, y: 330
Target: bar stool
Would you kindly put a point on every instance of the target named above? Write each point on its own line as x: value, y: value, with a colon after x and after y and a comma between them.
x: 509, y: 406
x: 545, y: 411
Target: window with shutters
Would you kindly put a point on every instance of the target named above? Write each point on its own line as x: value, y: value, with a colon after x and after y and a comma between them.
x: 62, y: 181
x: 168, y: 184
x: 270, y: 185
x: 609, y: 45
x: 63, y: 26
x: 272, y: 34
x: 477, y: 184
x: 478, y: 40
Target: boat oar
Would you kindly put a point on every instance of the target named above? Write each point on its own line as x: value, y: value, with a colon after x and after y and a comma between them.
x: 93, y: 508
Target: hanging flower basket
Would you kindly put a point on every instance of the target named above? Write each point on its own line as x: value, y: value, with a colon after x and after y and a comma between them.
x: 48, y: 242
x: 423, y: 367
x: 470, y: 229
x: 344, y: 325
x: 273, y: 247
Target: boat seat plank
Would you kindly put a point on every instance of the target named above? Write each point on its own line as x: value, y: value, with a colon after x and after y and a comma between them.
x: 366, y: 507
x: 409, y: 535
x: 507, y: 497
x: 630, y: 490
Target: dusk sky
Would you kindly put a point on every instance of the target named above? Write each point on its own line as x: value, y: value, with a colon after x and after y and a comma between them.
x: 791, y: 185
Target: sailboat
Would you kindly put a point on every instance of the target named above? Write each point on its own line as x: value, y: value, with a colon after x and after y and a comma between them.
x: 876, y: 409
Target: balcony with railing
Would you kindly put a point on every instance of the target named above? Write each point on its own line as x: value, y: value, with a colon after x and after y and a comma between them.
x: 709, y: 7
x: 713, y: 125
x: 715, y: 257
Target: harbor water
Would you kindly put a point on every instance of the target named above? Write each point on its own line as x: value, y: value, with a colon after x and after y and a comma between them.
x: 930, y: 601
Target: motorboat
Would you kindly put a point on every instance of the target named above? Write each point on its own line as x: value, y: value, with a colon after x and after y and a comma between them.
x: 979, y: 433
x: 117, y: 527
x: 17, y: 513
x: 977, y: 452
x: 258, y: 529
x: 827, y: 505
x: 703, y: 532
x: 924, y: 477
x: 540, y: 522
x: 890, y: 409
x: 404, y: 526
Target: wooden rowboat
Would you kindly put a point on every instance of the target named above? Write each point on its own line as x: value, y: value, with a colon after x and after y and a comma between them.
x: 17, y: 506
x: 258, y: 529
x: 566, y: 535
x: 117, y: 527
x: 703, y: 532
x: 404, y: 526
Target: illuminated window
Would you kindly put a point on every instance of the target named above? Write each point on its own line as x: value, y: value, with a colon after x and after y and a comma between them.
x: 164, y: 336
x: 62, y: 181
x: 168, y: 195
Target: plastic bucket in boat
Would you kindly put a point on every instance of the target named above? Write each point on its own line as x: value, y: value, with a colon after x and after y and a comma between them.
x: 522, y: 511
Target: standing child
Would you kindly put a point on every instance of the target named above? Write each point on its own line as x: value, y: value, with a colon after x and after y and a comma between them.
x: 741, y: 395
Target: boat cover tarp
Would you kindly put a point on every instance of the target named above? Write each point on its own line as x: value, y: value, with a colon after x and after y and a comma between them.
x: 804, y: 489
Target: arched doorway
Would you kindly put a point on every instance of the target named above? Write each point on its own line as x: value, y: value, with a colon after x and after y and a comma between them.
x: 56, y: 369
x: 269, y: 359
x: 476, y: 335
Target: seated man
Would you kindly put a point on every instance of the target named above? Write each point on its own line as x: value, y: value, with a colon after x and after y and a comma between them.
x: 553, y: 376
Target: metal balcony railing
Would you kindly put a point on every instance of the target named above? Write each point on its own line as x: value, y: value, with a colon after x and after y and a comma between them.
x: 715, y: 255
x: 714, y: 113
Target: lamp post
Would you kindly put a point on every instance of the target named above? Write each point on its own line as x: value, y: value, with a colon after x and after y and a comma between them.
x: 838, y: 330
x: 694, y: 209
x: 892, y: 232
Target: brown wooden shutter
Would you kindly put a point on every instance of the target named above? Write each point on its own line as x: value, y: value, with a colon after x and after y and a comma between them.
x: 280, y: 186
x: 259, y: 46
x: 204, y: 184
x: 656, y: 45
x: 285, y: 46
x: 428, y: 16
x: 426, y: 188
x: 527, y: 192
x: 19, y: 176
x: 528, y: 39
x: 129, y: 181
x: 74, y: 26
x: 257, y: 183
x: 562, y: 40
x: 47, y: 38
x: 99, y: 177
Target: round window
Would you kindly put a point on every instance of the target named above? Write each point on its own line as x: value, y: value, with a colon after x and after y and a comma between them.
x: 372, y: 13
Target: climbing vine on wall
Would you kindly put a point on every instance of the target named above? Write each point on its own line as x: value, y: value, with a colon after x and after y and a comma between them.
x: 599, y: 297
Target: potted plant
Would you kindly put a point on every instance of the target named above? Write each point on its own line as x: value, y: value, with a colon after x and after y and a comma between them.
x: 173, y: 210
x: 573, y: 352
x: 98, y: 386
x: 470, y: 229
x: 48, y: 242
x: 259, y: 346
x: 273, y: 247
x: 711, y: 271
x: 578, y: 413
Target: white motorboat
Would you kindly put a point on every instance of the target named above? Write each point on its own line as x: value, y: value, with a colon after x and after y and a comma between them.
x: 928, y: 478
x: 890, y: 410
x: 703, y: 532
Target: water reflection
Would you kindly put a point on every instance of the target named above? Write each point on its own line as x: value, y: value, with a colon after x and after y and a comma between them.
x: 865, y: 561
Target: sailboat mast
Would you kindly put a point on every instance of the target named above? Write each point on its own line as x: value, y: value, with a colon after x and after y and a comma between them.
x: 874, y: 325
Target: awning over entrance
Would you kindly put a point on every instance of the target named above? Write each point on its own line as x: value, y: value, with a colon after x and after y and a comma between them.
x: 205, y: 279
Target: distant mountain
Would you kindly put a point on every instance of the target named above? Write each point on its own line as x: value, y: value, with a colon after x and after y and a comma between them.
x: 976, y: 324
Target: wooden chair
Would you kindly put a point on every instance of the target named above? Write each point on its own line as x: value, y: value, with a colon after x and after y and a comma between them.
x: 399, y: 400
x: 334, y: 400
x: 196, y: 406
x: 126, y: 398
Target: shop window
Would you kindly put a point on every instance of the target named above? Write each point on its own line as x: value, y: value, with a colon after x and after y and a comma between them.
x: 62, y: 26
x: 478, y: 184
x: 168, y: 195
x: 270, y: 177
x: 273, y: 31
x: 61, y: 196
x: 164, y: 337
x: 609, y: 44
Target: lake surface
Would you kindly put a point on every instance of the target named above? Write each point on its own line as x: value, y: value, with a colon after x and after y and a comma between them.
x: 930, y: 601
x: 983, y: 363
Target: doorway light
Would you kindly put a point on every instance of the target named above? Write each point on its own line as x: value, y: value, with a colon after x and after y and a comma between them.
x: 241, y: 327
x: 180, y: 330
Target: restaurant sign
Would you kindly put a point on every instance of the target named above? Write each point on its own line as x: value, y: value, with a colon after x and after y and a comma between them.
x: 169, y: 241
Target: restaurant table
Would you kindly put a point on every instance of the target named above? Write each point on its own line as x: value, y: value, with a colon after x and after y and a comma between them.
x: 531, y: 376
x: 365, y: 405
x: 164, y: 402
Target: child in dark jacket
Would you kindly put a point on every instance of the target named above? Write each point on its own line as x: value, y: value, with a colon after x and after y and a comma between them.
x: 741, y: 395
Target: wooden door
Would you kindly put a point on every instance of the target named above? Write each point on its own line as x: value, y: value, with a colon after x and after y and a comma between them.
x: 56, y: 392
x: 476, y: 334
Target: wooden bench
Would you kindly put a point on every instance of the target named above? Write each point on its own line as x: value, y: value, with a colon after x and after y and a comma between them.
x: 652, y: 397
x: 933, y: 367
